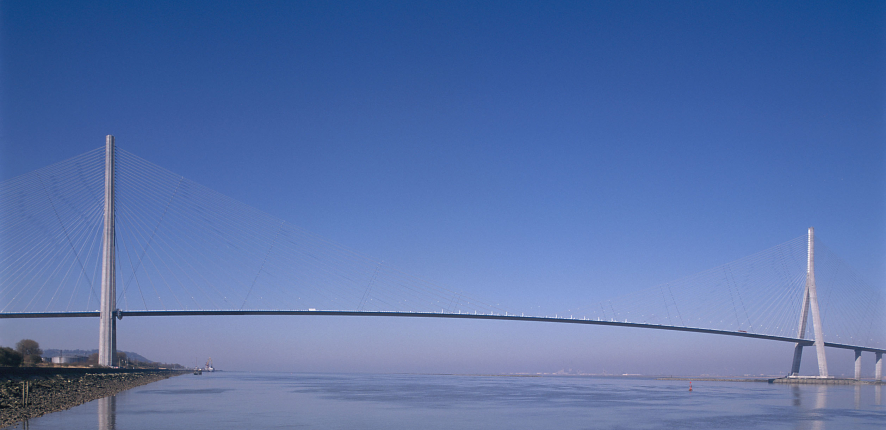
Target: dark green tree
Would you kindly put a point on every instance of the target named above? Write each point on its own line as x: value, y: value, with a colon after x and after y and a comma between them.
x: 27, y: 347
x: 30, y: 351
x: 9, y: 357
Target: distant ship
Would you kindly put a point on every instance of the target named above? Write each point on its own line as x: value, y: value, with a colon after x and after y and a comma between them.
x: 208, y: 366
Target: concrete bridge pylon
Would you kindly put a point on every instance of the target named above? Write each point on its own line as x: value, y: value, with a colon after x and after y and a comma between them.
x: 107, y: 345
x: 810, y: 301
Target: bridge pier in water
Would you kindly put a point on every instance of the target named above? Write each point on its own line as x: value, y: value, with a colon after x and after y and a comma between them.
x: 878, y: 365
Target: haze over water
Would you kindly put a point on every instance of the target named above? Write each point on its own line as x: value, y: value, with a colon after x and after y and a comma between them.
x: 236, y: 400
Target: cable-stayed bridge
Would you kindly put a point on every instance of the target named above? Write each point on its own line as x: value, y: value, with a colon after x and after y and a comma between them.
x: 107, y: 234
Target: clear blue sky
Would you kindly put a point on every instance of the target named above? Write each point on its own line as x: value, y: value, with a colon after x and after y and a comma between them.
x: 537, y: 155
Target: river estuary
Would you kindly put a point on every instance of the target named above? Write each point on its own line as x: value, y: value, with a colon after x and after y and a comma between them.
x: 244, y: 400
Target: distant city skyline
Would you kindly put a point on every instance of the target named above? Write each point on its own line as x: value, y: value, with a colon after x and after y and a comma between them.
x: 540, y: 156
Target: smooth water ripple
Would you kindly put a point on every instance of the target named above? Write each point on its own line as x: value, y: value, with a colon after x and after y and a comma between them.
x: 240, y: 400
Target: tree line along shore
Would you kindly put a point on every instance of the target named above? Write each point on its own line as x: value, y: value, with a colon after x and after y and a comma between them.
x: 27, y: 353
x: 27, y: 393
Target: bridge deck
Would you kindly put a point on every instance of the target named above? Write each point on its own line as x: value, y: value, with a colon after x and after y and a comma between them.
x: 805, y: 342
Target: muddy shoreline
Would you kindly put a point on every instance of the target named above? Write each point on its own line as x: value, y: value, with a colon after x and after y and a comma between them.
x: 27, y: 393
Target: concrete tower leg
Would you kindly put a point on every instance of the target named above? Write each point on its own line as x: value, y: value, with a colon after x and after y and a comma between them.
x: 813, y: 304
x: 857, y: 364
x: 107, y: 343
x: 878, y: 368
x: 810, y: 300
x: 801, y: 332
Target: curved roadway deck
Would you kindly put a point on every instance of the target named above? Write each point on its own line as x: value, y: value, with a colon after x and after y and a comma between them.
x: 121, y: 314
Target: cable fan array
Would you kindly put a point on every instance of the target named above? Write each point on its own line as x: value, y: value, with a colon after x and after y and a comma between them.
x: 761, y: 293
x: 183, y: 246
x: 50, y: 236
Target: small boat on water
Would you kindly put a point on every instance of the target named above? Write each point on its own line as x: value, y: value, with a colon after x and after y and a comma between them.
x: 198, y: 371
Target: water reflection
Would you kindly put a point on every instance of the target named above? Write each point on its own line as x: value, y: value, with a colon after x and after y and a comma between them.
x: 817, y: 412
x: 878, y: 390
x: 857, y: 396
x: 107, y: 413
x: 821, y: 400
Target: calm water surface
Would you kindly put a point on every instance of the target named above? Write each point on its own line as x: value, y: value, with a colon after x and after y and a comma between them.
x: 233, y: 400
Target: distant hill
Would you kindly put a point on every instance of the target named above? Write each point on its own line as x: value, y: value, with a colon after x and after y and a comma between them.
x: 49, y: 353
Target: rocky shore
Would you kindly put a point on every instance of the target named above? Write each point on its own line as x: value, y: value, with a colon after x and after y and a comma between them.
x: 29, y: 393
